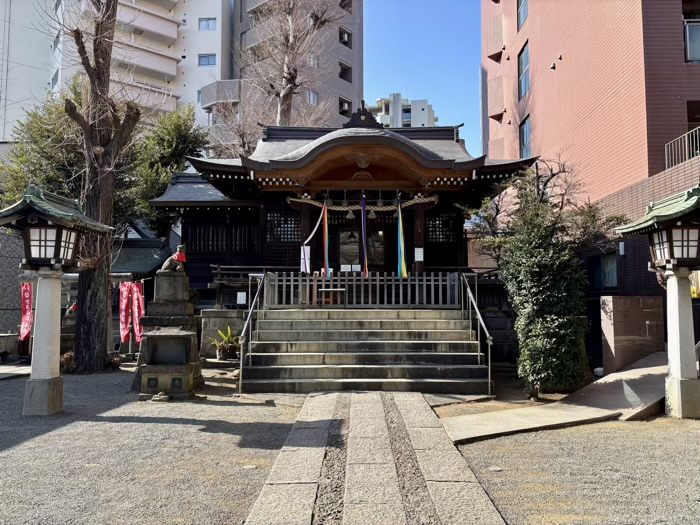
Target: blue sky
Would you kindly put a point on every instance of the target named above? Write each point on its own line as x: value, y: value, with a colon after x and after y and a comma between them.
x: 427, y: 49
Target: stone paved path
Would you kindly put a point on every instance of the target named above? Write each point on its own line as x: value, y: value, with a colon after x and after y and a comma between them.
x: 10, y: 371
x: 379, y: 483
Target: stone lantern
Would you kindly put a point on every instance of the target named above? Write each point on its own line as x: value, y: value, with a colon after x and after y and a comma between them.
x: 51, y: 226
x: 673, y: 229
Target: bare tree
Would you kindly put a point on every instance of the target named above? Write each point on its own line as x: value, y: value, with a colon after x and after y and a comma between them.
x: 286, y: 52
x: 106, y: 130
x: 238, y: 127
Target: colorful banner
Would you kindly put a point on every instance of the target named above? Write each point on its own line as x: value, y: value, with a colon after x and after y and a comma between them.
x: 401, y: 271
x: 124, y: 313
x: 365, y: 267
x: 27, y: 317
x: 138, y: 309
x: 326, y: 268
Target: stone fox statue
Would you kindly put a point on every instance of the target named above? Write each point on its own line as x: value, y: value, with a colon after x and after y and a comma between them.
x: 175, y: 263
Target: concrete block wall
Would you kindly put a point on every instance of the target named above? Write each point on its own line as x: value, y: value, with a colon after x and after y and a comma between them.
x: 11, y: 253
x: 215, y: 320
x: 632, y: 327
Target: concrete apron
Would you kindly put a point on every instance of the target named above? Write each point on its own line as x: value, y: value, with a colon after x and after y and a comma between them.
x: 634, y: 393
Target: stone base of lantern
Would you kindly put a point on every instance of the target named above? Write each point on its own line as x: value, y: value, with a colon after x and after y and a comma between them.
x: 683, y: 397
x: 43, y: 397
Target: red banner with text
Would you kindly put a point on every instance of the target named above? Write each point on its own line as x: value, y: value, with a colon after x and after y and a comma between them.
x: 138, y: 309
x: 27, y: 318
x: 124, y: 313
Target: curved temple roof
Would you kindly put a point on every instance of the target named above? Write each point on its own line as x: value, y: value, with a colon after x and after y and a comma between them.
x: 293, y: 148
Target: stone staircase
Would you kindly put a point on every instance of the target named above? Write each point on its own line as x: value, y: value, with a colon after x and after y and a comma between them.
x: 402, y: 350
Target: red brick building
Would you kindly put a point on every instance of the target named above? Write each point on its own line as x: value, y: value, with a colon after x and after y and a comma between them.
x: 605, y: 83
x: 613, y: 86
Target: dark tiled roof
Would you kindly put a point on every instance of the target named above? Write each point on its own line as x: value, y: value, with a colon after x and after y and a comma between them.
x: 141, y: 256
x: 188, y: 188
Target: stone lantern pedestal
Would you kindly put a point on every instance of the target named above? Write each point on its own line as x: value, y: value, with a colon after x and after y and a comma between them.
x: 682, y: 382
x: 43, y: 393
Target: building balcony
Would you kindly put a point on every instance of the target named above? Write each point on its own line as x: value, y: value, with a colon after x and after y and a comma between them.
x: 168, y: 4
x: 683, y: 148
x: 495, y: 97
x: 141, y: 20
x: 144, y: 60
x: 151, y: 97
x: 220, y: 92
x: 494, y: 37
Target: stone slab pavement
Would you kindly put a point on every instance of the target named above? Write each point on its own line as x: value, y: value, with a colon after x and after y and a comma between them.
x: 10, y: 371
x: 636, y: 392
x: 372, y: 489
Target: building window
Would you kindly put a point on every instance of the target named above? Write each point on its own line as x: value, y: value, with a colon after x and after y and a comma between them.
x: 345, y: 72
x: 314, y: 61
x: 602, y: 271
x: 54, y: 80
x: 207, y: 24
x: 692, y: 40
x: 312, y: 97
x: 522, y: 13
x: 347, y: 5
x: 199, y: 97
x: 525, y: 151
x: 56, y: 41
x: 524, y: 71
x: 57, y: 5
x: 345, y: 37
x: 207, y: 60
x: 344, y: 107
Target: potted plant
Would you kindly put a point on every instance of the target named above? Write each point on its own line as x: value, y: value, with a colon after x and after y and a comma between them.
x: 228, y: 346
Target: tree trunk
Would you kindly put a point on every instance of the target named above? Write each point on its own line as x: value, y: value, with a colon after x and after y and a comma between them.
x: 93, y: 338
x: 284, y: 109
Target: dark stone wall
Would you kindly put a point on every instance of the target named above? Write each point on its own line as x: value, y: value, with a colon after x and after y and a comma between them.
x: 11, y: 253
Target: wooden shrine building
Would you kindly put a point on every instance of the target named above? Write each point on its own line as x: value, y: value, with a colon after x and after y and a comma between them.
x: 257, y: 211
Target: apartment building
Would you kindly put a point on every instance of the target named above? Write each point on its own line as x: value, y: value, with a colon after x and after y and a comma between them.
x: 165, y: 52
x: 396, y: 112
x: 613, y: 87
x: 343, y: 52
x: 25, y: 71
x: 605, y: 84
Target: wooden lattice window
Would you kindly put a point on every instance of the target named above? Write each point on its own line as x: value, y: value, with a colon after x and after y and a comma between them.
x: 283, y: 228
x: 206, y: 238
x: 440, y: 228
x: 244, y: 240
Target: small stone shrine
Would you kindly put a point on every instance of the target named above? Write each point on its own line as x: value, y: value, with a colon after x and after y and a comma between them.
x: 169, y: 356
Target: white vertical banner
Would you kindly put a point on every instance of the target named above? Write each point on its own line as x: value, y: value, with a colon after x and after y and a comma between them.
x: 306, y: 259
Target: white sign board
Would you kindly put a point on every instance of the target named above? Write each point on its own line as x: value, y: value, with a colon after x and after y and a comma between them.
x: 241, y: 298
x: 419, y: 255
x: 356, y: 268
x: 345, y: 268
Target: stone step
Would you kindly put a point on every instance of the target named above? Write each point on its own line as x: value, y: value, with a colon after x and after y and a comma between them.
x: 350, y: 313
x: 367, y: 358
x: 301, y: 386
x: 366, y: 372
x: 363, y: 335
x: 364, y: 324
x: 355, y: 346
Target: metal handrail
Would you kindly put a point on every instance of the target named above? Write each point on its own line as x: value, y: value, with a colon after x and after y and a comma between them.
x: 482, y: 325
x: 254, y: 307
x: 683, y: 148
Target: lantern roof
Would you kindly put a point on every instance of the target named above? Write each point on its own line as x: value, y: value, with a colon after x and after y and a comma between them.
x: 52, y: 207
x: 660, y: 213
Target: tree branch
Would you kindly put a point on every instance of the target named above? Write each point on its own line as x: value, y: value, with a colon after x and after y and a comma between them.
x: 82, y: 51
x: 73, y: 113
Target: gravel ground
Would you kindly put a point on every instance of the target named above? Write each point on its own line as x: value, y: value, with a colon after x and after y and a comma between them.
x: 417, y: 502
x: 109, y: 459
x: 328, y: 509
x: 605, y: 473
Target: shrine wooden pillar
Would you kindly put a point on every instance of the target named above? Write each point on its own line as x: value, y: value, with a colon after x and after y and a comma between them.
x: 419, y: 237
